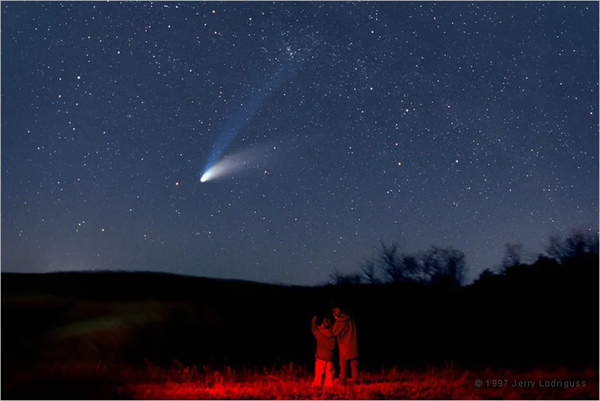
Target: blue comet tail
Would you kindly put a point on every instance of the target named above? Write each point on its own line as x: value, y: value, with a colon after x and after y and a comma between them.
x: 234, y: 126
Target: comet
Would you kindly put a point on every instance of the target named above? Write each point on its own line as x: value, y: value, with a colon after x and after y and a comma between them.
x: 214, y: 166
x: 206, y: 176
x: 235, y: 163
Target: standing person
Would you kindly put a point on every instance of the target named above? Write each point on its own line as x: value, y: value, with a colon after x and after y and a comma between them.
x: 344, y: 329
x: 324, y: 354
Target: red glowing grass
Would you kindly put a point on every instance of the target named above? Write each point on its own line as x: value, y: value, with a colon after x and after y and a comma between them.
x: 448, y: 383
x: 287, y: 382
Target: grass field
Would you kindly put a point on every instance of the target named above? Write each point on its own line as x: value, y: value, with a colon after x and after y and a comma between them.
x: 294, y: 382
x: 67, y: 318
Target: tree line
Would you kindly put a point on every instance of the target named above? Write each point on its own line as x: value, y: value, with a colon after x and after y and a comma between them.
x: 447, y: 266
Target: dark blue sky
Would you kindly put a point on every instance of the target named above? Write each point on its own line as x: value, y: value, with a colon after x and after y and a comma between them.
x: 452, y: 124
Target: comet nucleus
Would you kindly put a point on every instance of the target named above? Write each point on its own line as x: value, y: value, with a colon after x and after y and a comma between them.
x: 233, y: 164
x: 206, y: 176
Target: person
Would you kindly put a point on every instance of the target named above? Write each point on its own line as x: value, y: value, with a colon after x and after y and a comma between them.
x: 325, y: 350
x: 344, y: 329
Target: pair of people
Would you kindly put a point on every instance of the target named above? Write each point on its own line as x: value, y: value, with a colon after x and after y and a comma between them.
x: 342, y: 332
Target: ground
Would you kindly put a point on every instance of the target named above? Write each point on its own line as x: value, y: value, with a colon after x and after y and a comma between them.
x: 294, y: 382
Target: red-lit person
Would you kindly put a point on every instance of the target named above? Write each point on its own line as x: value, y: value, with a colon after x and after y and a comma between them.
x: 324, y: 354
x: 344, y: 329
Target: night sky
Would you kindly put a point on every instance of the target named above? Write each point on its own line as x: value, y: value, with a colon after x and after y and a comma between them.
x: 330, y: 126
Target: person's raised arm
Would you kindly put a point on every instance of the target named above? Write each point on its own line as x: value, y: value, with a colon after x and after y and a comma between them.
x: 336, y: 329
x: 313, y: 325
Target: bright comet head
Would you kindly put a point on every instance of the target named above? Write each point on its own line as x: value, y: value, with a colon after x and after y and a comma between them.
x: 206, y: 176
x: 234, y: 163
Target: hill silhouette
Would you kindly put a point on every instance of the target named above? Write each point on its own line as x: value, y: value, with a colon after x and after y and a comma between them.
x: 530, y: 315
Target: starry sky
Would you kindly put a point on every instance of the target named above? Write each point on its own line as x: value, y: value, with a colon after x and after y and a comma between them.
x: 339, y: 125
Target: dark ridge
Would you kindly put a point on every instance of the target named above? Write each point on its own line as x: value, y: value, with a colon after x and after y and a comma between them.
x: 125, y: 285
x: 545, y: 314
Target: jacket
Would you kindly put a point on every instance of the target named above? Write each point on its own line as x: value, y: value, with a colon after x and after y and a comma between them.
x: 325, y: 343
x: 344, y: 329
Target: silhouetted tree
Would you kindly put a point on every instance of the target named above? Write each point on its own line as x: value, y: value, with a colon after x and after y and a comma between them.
x: 390, y: 263
x: 344, y: 278
x: 413, y: 268
x: 576, y: 244
x: 367, y: 271
x: 435, y: 265
x: 513, y: 254
x: 486, y: 276
x: 555, y: 248
x: 399, y: 267
x: 444, y: 265
x: 579, y: 243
